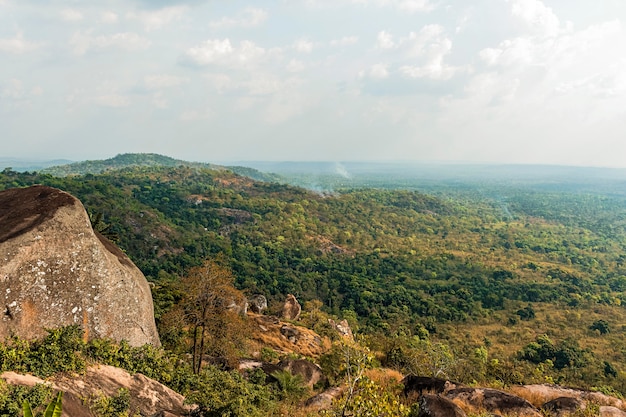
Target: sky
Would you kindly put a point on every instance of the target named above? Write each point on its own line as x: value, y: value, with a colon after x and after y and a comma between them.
x: 488, y: 81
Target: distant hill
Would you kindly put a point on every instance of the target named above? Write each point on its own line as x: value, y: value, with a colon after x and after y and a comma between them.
x: 133, y: 160
x: 22, y: 165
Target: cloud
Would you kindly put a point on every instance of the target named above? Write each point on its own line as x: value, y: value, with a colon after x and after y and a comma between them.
x: 109, y: 17
x: 537, y: 16
x: 249, y: 17
x: 82, y: 42
x: 384, y: 40
x: 18, y: 45
x: 346, y: 40
x: 160, y: 18
x: 71, y: 15
x: 424, y: 53
x: 295, y: 66
x: 222, y: 52
x: 303, y: 46
x: 411, y: 6
x: 377, y: 71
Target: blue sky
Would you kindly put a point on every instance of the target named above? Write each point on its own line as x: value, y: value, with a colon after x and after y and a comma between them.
x: 506, y: 81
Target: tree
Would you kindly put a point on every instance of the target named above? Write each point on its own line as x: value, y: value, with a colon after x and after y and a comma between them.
x: 211, y: 308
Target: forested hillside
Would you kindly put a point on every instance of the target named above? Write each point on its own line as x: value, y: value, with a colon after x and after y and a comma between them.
x: 528, y: 284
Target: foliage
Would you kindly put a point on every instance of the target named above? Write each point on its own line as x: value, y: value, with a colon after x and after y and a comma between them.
x: 227, y: 394
x: 601, y: 325
x: 566, y: 353
x: 12, y: 398
x: 115, y: 406
x: 291, y: 387
x: 59, y: 351
x: 370, y: 399
x: 54, y: 408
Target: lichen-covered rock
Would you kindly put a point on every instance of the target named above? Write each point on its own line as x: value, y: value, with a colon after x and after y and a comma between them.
x: 56, y: 271
x: 257, y: 303
x: 291, y: 308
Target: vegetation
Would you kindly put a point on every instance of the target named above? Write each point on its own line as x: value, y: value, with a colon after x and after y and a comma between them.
x: 493, y: 284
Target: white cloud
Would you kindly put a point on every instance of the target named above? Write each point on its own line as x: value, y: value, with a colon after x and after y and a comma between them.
x: 160, y: 18
x: 295, y: 66
x: 249, y: 17
x: 411, y: 6
x: 384, y: 40
x: 537, y: 16
x: 303, y: 45
x: 346, y: 40
x: 222, y: 52
x: 71, y: 15
x: 109, y: 17
x: 82, y: 42
x: 379, y: 71
x: 17, y: 45
x: 12, y: 90
x: 159, y: 81
x: 427, y: 50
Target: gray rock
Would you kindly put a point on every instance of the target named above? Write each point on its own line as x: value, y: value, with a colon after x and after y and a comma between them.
x: 494, y: 401
x: 291, y: 333
x: 324, y: 400
x: 342, y: 327
x: 432, y: 405
x: 56, y: 271
x: 257, y: 303
x: 563, y: 406
x: 310, y: 372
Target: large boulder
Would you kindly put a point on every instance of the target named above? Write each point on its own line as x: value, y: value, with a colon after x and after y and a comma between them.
x: 56, y: 271
x: 415, y: 386
x: 291, y: 308
x: 432, y: 405
x: 563, y: 406
x: 492, y: 400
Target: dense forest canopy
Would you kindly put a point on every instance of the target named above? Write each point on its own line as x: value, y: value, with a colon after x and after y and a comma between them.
x: 473, y: 266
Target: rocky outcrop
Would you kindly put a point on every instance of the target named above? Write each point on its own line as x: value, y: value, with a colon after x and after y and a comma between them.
x: 56, y: 271
x: 147, y: 396
x: 549, y: 392
x: 432, y: 405
x: 343, y: 328
x: 492, y: 400
x: 291, y: 308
